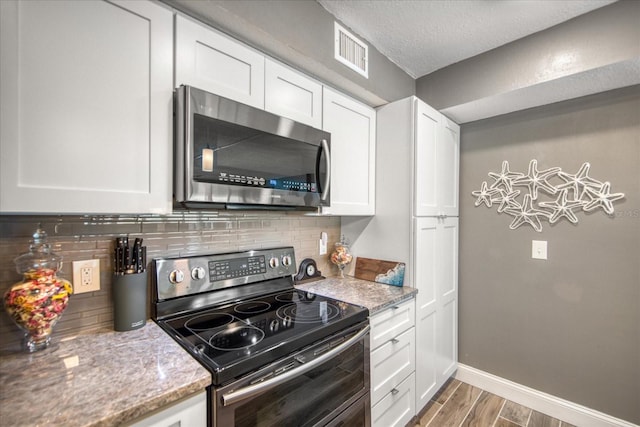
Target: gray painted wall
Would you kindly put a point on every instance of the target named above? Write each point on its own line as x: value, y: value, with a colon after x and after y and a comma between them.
x: 300, y: 33
x: 568, y: 326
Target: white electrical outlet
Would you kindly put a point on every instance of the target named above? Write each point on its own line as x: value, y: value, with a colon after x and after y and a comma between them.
x: 86, y: 276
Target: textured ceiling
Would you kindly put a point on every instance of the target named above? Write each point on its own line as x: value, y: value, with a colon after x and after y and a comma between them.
x: 422, y: 36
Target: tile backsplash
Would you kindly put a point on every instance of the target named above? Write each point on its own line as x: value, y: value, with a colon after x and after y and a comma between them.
x: 83, y: 237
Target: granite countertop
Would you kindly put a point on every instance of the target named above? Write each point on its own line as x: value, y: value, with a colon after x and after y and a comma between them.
x: 103, y: 378
x: 374, y: 296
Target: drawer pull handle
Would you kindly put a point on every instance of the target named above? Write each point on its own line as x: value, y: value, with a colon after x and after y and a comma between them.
x: 395, y: 391
x: 394, y: 307
x: 394, y: 341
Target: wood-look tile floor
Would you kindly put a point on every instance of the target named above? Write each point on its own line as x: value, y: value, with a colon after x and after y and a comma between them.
x: 459, y: 404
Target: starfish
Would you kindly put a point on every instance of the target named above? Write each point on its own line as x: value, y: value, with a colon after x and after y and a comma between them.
x: 505, y: 177
x: 485, y: 195
x: 508, y: 200
x: 537, y: 179
x: 602, y: 198
x: 526, y: 214
x: 578, y: 182
x: 562, y: 208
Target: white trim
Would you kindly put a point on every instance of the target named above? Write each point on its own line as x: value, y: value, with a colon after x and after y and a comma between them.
x: 542, y: 402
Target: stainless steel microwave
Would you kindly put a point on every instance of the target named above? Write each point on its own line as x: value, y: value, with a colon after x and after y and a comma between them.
x: 231, y: 155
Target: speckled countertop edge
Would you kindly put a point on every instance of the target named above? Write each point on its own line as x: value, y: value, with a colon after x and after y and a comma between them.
x: 103, y: 378
x: 374, y: 296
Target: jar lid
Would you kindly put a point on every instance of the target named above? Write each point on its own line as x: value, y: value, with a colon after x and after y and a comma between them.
x: 39, y: 255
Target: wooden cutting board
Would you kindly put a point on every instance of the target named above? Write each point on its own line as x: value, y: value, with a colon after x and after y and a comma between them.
x: 376, y: 270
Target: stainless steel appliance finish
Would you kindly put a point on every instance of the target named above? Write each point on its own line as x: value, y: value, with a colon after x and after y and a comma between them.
x: 232, y: 155
x: 277, y: 355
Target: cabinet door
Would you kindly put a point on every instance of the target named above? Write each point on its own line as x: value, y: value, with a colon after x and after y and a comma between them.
x: 214, y: 62
x: 448, y: 155
x: 191, y: 412
x: 426, y: 267
x: 292, y: 95
x: 86, y: 107
x: 437, y: 151
x: 353, y: 128
x: 427, y: 133
x: 447, y: 297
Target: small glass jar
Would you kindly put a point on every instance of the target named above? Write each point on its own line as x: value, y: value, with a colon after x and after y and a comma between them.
x: 36, y: 303
x: 341, y: 256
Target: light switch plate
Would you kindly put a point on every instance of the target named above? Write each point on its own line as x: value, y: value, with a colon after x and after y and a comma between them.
x: 539, y: 249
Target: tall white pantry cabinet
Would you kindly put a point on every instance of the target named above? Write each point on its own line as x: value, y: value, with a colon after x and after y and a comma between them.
x: 416, y: 222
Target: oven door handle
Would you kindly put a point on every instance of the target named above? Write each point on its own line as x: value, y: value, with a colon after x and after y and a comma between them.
x: 236, y: 396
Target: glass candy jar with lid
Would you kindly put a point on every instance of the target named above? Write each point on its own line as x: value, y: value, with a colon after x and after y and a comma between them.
x: 36, y: 303
x: 341, y: 255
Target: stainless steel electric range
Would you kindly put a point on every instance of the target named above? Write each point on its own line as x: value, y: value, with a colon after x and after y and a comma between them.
x: 277, y: 356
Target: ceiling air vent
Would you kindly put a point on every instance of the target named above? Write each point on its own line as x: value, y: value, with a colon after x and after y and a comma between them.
x: 351, y: 51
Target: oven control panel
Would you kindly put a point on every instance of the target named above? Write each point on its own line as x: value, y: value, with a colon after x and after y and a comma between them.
x: 176, y: 277
x: 239, y: 267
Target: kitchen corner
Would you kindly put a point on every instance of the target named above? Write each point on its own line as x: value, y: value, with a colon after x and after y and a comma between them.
x: 374, y: 296
x: 101, y: 378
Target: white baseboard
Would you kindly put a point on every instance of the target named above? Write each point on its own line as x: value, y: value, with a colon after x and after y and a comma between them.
x: 556, y: 407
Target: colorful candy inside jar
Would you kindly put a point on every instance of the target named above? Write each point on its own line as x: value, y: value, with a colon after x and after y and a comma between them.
x: 341, y: 256
x: 36, y: 303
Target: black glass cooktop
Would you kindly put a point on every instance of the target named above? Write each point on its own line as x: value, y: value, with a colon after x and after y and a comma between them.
x: 234, y: 339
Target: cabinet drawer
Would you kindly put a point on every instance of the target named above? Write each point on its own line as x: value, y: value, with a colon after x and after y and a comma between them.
x: 397, y: 407
x: 392, y: 322
x: 391, y: 363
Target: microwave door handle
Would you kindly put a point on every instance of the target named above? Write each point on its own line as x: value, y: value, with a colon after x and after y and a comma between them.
x: 327, y: 181
x: 236, y: 396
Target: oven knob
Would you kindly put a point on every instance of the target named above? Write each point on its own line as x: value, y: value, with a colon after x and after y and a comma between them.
x: 198, y: 273
x: 176, y: 276
x: 274, y: 325
x: 286, y: 260
x: 287, y: 321
x: 274, y: 262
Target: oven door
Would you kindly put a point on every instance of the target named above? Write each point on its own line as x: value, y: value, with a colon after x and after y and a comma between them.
x: 325, y: 384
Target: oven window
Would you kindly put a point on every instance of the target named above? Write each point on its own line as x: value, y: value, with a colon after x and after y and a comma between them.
x: 227, y: 153
x: 309, y: 399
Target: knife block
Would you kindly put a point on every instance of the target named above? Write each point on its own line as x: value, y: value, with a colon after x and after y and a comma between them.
x: 129, y: 301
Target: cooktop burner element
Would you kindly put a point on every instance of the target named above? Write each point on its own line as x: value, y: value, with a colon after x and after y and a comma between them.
x: 252, y: 307
x: 209, y: 321
x: 234, y: 326
x: 308, y: 313
x: 236, y: 338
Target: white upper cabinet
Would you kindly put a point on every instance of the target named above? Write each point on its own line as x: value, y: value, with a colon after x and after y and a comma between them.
x: 449, y: 167
x: 211, y: 61
x: 293, y: 95
x: 86, y: 107
x: 353, y: 128
x: 437, y: 151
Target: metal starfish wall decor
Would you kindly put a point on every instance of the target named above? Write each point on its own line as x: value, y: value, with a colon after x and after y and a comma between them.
x: 574, y: 192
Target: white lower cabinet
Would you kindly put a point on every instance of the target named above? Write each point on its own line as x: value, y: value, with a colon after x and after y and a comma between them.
x: 191, y: 412
x: 393, y: 365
